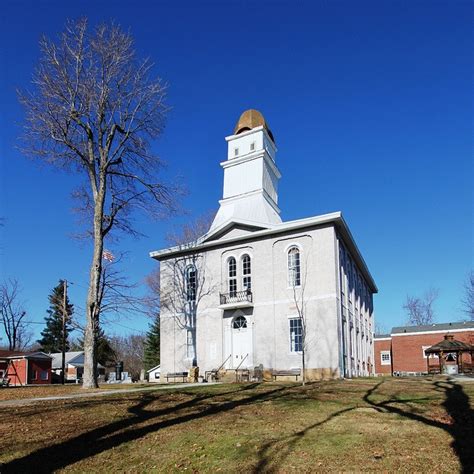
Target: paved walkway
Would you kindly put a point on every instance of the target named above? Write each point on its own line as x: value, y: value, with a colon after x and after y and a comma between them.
x: 32, y: 401
x: 461, y: 378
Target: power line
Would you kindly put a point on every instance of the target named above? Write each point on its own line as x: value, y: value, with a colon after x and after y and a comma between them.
x: 125, y: 327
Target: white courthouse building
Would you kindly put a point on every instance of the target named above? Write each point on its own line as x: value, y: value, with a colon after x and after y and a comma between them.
x: 254, y: 291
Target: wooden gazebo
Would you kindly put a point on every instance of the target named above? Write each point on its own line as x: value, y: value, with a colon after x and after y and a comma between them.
x: 453, y: 357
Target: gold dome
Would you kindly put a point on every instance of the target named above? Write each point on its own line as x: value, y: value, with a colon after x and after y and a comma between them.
x: 251, y: 118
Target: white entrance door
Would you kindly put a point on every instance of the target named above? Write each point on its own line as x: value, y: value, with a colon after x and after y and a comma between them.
x: 241, y: 331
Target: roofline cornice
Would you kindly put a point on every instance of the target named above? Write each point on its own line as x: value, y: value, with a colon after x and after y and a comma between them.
x: 334, y: 218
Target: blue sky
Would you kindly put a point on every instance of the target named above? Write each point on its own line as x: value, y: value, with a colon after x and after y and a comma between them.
x: 370, y: 103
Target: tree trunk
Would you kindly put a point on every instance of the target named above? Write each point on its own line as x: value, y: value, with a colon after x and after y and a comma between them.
x: 93, y: 303
x: 304, y: 367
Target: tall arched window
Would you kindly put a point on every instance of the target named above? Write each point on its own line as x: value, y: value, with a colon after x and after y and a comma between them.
x: 294, y: 267
x: 190, y: 283
x: 232, y: 276
x: 246, y: 273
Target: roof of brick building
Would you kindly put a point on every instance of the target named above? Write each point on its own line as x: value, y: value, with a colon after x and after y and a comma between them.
x: 433, y: 327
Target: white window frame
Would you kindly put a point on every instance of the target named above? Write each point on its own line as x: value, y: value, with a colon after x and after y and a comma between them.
x: 190, y: 283
x: 239, y: 317
x: 246, y: 277
x: 423, y: 349
x: 44, y: 375
x: 232, y: 276
x: 387, y: 361
x: 294, y: 268
x: 293, y: 335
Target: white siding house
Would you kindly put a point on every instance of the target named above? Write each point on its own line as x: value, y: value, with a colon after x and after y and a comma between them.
x: 236, y: 297
x: 154, y: 374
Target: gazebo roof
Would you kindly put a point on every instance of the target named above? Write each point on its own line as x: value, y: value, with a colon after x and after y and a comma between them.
x: 449, y: 344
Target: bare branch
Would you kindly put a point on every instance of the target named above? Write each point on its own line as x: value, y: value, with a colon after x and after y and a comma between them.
x: 95, y: 108
x: 468, y: 300
x: 13, y: 316
x: 189, y: 277
x: 420, y: 311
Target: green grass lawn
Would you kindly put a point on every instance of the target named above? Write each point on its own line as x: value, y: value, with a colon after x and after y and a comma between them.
x: 387, y: 424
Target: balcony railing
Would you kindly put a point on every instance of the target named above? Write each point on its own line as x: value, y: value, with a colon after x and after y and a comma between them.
x: 236, y: 297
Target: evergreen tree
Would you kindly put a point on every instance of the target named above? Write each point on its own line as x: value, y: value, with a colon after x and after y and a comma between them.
x: 152, y: 345
x: 105, y: 352
x: 106, y: 355
x: 52, y: 335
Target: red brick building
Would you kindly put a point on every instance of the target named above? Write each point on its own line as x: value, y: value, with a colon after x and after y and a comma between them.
x: 403, y: 351
x: 25, y: 368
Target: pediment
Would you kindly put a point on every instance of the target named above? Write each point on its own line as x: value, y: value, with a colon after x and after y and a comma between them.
x: 232, y: 229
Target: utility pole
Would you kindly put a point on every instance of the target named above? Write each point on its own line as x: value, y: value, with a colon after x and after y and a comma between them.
x: 63, y: 344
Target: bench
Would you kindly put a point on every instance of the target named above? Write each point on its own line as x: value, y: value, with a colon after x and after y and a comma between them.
x: 286, y: 373
x: 242, y: 375
x: 5, y: 382
x: 177, y: 375
x: 212, y: 374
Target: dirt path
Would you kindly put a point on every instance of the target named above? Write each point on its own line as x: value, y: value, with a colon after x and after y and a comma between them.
x: 32, y: 401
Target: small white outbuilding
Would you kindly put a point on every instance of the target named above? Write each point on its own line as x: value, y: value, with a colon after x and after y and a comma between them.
x: 154, y: 374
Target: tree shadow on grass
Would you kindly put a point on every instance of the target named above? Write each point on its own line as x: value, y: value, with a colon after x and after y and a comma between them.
x: 114, y: 434
x: 460, y: 425
x: 269, y: 459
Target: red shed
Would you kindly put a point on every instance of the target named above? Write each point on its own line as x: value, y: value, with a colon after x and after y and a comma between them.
x: 25, y: 368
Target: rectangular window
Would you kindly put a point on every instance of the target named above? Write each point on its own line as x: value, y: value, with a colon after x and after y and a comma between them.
x: 423, y: 349
x: 252, y: 146
x: 236, y: 152
x: 191, y: 284
x: 34, y: 375
x: 44, y: 375
x: 296, y: 335
x: 385, y: 357
x: 232, y: 287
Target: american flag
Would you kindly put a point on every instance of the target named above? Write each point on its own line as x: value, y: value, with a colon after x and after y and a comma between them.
x: 107, y: 255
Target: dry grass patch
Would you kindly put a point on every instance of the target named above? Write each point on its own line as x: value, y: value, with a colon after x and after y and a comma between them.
x: 366, y: 424
x: 40, y: 391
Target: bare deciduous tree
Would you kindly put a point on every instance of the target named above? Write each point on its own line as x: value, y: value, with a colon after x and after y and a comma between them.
x: 116, y: 296
x: 130, y: 350
x: 468, y: 300
x: 152, y: 299
x: 13, y: 316
x: 188, y: 278
x: 420, y: 310
x: 298, y: 285
x: 380, y: 329
x: 94, y: 109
